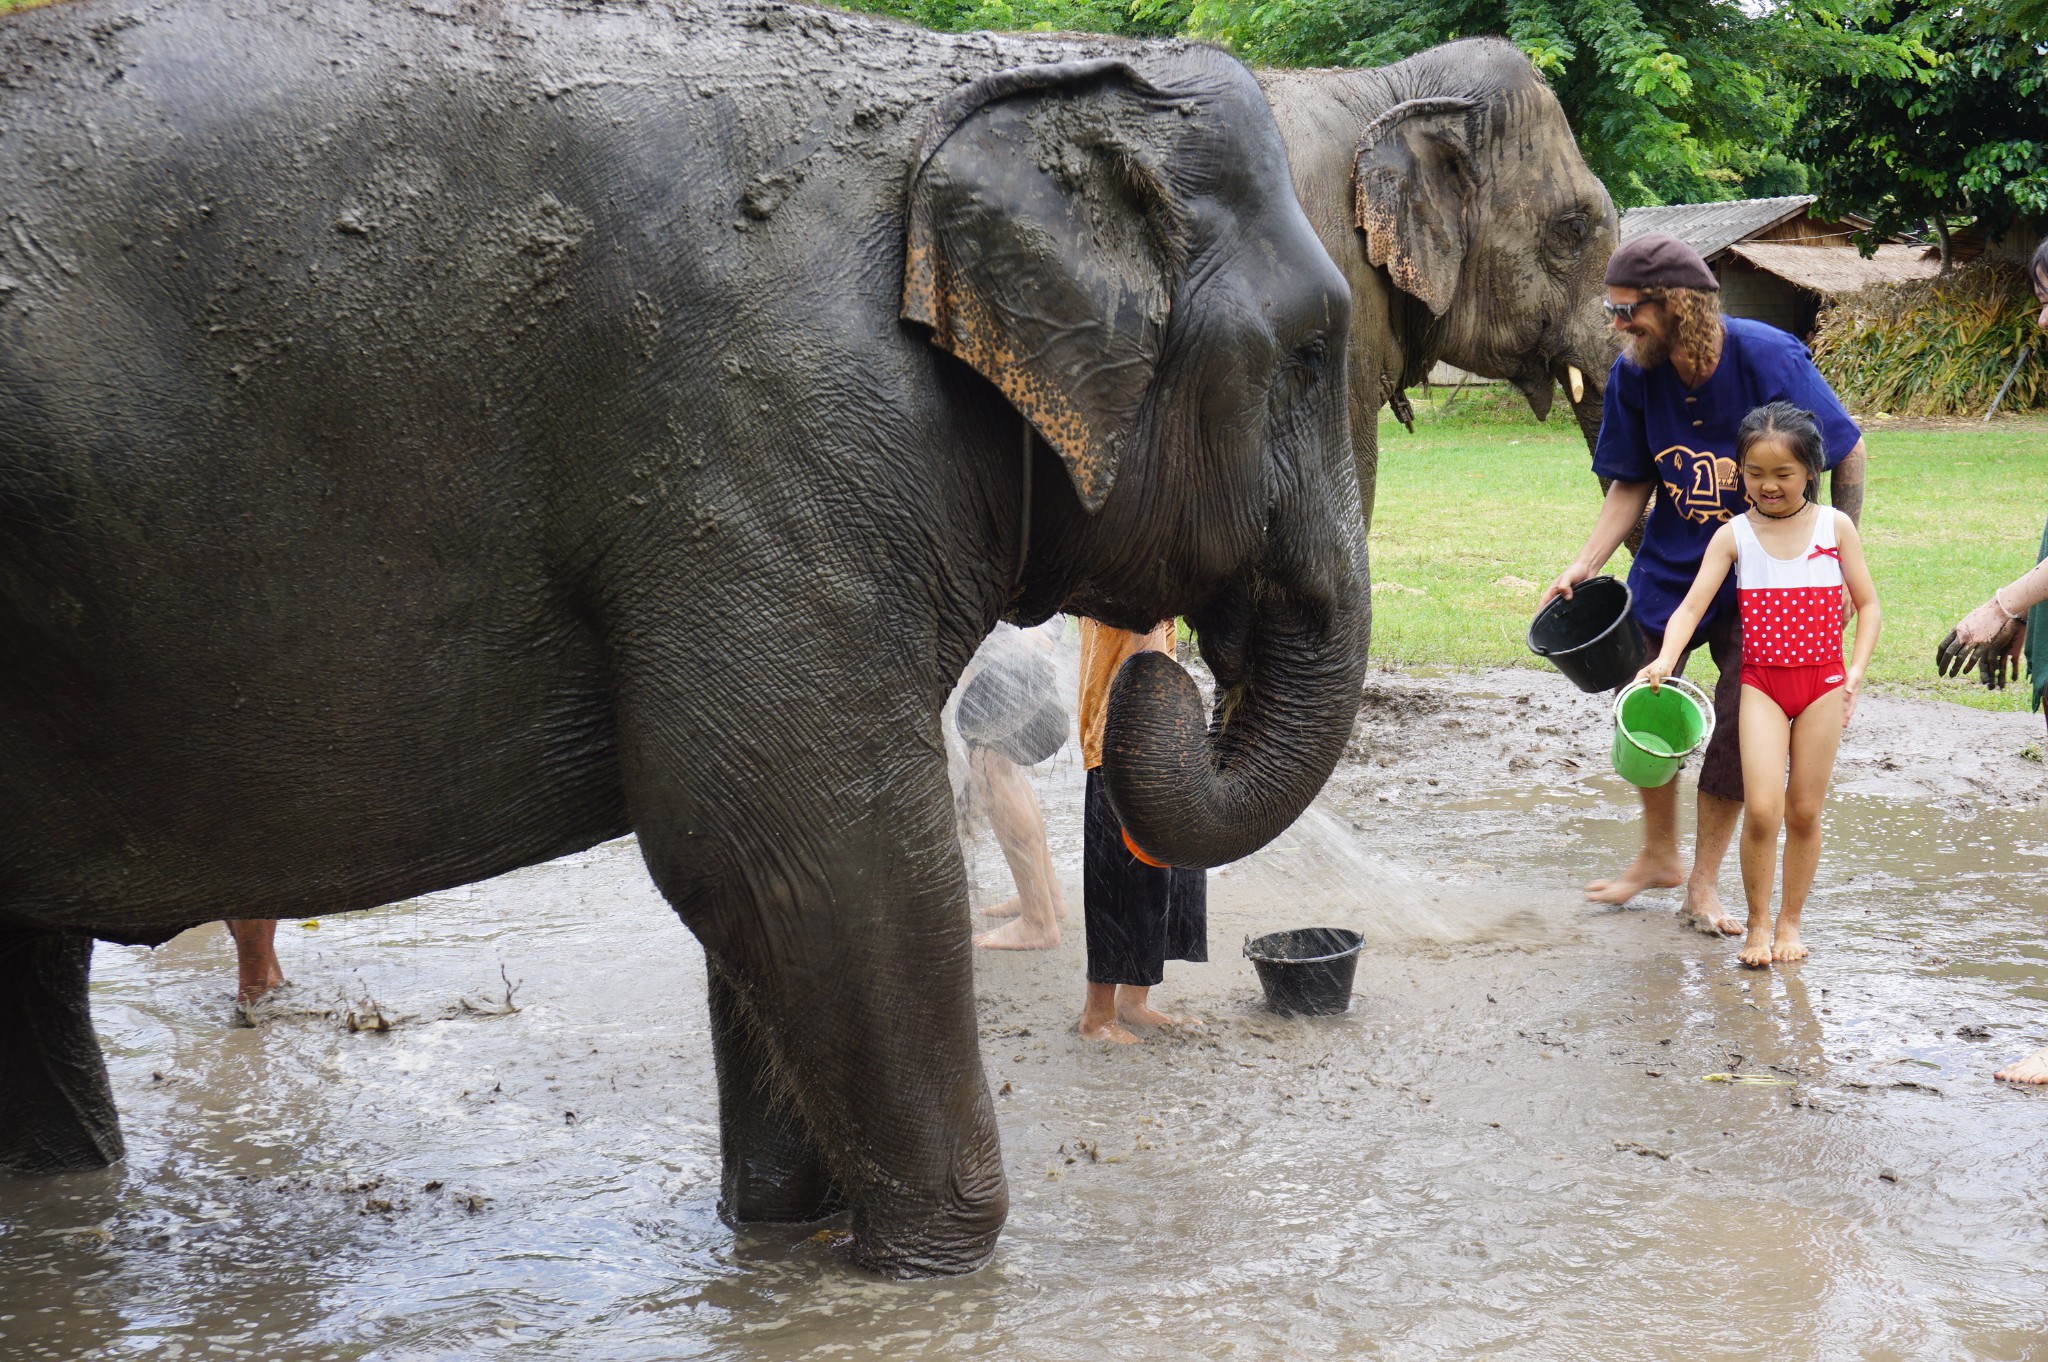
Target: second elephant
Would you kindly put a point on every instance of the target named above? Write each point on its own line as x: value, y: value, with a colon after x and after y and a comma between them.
x: 1450, y: 191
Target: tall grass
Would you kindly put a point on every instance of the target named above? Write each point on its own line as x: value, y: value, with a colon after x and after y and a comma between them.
x: 1937, y: 347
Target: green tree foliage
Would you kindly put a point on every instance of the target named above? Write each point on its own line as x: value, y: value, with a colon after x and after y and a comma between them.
x: 1966, y: 138
x: 1678, y: 102
x: 1683, y: 101
x: 1143, y: 19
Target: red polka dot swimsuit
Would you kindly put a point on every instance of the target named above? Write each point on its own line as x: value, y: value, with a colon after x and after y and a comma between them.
x: 1791, y: 615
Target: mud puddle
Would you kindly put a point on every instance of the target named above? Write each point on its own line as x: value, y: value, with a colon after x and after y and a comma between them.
x: 1506, y: 1150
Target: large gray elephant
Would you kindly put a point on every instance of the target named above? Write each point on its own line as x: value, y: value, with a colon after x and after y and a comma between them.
x: 1450, y: 191
x: 434, y: 439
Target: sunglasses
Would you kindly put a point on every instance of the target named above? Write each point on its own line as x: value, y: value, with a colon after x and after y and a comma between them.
x: 1624, y: 312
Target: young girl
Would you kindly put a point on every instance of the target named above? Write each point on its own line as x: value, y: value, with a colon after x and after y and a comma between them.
x: 1791, y: 557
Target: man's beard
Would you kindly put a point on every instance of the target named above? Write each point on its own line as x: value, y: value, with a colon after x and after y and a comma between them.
x: 1647, y: 352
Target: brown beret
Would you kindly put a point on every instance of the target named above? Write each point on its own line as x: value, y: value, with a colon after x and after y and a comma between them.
x: 1659, y: 261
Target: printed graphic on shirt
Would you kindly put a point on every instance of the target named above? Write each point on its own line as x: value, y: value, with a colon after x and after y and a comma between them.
x: 1698, y: 483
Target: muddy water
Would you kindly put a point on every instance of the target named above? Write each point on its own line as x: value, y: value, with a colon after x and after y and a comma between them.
x: 1506, y: 1150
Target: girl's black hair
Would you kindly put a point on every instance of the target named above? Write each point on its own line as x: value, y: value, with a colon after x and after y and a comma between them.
x: 1799, y: 432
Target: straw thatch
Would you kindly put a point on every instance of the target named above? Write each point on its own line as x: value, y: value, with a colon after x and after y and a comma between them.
x: 1832, y: 271
x: 1936, y: 347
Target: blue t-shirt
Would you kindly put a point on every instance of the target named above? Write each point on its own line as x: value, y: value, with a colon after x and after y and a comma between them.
x: 1653, y: 429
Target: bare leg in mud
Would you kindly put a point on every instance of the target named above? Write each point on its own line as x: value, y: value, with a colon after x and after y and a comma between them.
x: 255, y: 957
x: 1703, y: 910
x: 1133, y: 1009
x: 1098, y: 1016
x: 1657, y: 865
x: 1020, y: 830
x: 1815, y: 735
x: 2032, y: 1069
x: 1111, y: 1008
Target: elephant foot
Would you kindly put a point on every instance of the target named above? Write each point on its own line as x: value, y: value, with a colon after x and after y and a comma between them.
x: 774, y: 1171
x: 56, y: 1109
x: 928, y: 1252
x: 913, y: 1241
x: 764, y: 1192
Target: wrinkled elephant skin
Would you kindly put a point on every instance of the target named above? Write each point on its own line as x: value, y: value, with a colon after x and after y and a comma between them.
x: 436, y: 439
x: 1450, y: 191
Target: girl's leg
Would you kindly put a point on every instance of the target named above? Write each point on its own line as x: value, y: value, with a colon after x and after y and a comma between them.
x: 1815, y: 735
x: 1765, y: 739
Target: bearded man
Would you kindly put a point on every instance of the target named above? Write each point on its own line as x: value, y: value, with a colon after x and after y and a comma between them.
x: 1674, y: 399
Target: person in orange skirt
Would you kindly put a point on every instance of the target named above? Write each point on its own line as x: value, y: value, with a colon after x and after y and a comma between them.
x: 1138, y: 914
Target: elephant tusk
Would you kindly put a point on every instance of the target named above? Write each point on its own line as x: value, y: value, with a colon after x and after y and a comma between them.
x: 1578, y: 382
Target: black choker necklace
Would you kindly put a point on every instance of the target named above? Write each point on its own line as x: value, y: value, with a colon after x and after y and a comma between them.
x: 1803, y: 504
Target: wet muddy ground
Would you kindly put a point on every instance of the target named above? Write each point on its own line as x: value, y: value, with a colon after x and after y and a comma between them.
x: 1506, y: 1150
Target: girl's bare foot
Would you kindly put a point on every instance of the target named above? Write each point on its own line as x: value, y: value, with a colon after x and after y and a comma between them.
x: 1756, y: 947
x: 1642, y: 873
x: 1785, y: 945
x: 1020, y: 934
x: 1703, y: 913
x: 2032, y: 1069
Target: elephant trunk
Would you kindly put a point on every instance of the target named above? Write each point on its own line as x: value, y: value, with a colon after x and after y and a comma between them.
x: 1198, y: 794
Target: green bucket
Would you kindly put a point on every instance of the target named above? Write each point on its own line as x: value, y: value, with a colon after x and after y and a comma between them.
x: 1654, y: 730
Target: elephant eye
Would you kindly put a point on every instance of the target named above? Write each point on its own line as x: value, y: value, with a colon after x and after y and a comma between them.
x: 1301, y: 370
x: 1571, y: 230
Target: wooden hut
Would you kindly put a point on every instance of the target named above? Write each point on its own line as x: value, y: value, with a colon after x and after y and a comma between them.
x: 1778, y: 263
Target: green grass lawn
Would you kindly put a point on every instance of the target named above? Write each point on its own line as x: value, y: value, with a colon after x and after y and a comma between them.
x: 1482, y: 506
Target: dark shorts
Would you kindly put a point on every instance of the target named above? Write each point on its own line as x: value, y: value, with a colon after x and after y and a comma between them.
x: 1138, y: 916
x: 1721, y: 768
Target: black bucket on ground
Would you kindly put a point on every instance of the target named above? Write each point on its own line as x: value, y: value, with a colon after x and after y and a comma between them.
x: 1592, y: 638
x: 1306, y: 972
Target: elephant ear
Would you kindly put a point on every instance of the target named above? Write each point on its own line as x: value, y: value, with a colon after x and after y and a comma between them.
x: 1413, y: 182
x: 1042, y: 245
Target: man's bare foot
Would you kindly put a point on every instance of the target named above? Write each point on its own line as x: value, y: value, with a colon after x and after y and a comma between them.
x: 1105, y: 1028
x: 1703, y: 913
x: 1785, y: 944
x: 2032, y: 1069
x: 1020, y: 934
x: 1644, y: 872
x: 1144, y: 1014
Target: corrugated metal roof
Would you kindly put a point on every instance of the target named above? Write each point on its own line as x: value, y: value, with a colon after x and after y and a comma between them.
x: 1711, y: 228
x: 1834, y: 270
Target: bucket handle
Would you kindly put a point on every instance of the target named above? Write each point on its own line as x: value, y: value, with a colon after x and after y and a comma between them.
x: 1685, y: 688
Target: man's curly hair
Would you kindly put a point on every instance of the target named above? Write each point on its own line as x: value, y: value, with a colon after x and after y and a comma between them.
x: 1696, y: 325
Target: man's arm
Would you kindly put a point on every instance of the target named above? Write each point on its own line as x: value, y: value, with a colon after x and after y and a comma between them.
x: 1619, y: 513
x: 1845, y: 485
